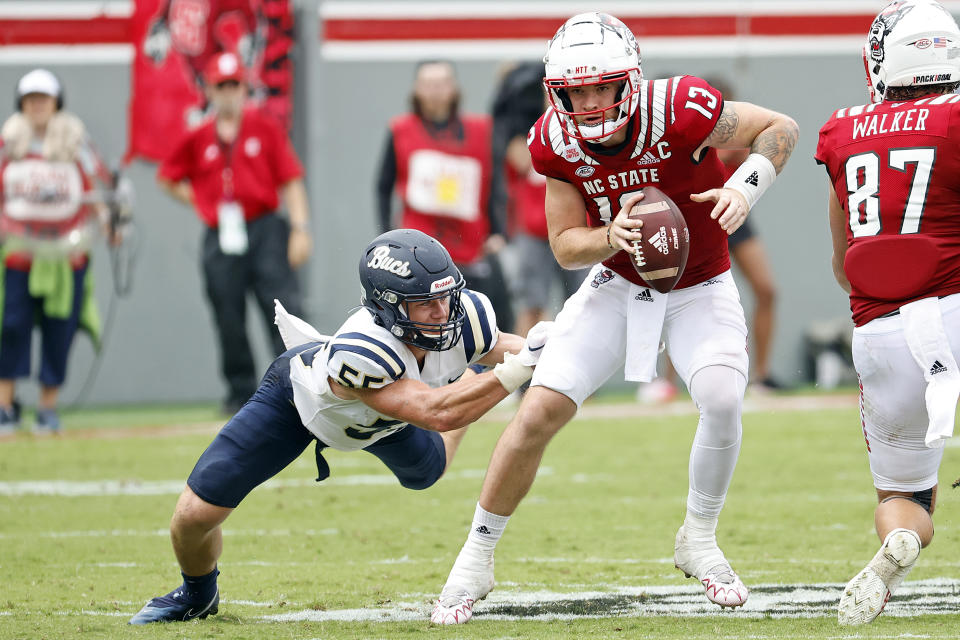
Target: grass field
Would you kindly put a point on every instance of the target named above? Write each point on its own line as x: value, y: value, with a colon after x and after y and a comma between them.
x: 84, y: 543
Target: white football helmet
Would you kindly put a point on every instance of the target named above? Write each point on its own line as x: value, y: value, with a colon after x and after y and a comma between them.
x: 911, y: 43
x: 589, y: 49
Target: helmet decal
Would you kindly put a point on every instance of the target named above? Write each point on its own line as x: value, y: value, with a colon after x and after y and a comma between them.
x: 381, y: 260
x: 442, y: 285
x: 882, y: 25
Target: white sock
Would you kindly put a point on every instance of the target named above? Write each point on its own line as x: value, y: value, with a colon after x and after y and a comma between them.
x: 486, y: 529
x: 700, y: 529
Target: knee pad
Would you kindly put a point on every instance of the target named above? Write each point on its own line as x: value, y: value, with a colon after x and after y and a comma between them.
x: 718, y: 392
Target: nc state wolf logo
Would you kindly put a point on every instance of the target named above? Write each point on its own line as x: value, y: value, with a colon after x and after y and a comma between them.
x: 604, y: 276
x: 883, y: 25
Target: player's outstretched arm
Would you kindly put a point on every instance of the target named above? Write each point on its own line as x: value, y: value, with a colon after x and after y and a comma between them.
x: 452, y: 406
x: 771, y: 138
x: 456, y: 405
x: 744, y: 125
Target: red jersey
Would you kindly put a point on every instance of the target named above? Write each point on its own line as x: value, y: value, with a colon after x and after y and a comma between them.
x: 525, y: 204
x: 46, y: 201
x: 444, y: 182
x: 248, y: 171
x: 894, y: 166
x: 673, y: 118
x: 200, y: 29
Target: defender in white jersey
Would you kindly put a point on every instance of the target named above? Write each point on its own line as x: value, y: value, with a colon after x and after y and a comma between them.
x: 393, y: 380
x: 608, y: 134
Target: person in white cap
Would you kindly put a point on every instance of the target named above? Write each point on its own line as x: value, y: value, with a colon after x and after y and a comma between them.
x: 895, y: 219
x: 48, y: 171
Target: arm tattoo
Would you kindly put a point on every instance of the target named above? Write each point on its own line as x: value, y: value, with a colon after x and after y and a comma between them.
x: 776, y: 142
x: 726, y: 126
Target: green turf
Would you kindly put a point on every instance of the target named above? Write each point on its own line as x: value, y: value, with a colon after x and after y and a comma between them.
x: 602, y: 515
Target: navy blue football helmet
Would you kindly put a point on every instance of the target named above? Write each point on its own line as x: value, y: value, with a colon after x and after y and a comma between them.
x: 403, y: 266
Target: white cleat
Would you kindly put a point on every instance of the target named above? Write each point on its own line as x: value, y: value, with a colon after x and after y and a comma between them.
x: 720, y: 582
x: 469, y: 582
x: 867, y: 594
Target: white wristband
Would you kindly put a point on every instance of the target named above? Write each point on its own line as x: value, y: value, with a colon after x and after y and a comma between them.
x: 752, y: 178
x: 512, y: 373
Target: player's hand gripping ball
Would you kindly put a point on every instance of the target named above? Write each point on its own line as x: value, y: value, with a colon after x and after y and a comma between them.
x: 660, y: 254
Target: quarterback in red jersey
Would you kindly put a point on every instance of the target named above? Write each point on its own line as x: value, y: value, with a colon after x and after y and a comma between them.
x: 607, y: 134
x: 895, y: 220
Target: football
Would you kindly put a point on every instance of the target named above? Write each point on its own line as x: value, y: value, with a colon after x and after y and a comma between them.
x: 661, y: 253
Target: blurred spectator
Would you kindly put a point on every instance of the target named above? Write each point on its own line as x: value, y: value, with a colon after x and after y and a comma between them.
x: 750, y: 256
x: 520, y: 191
x: 438, y: 161
x: 230, y: 169
x: 49, y: 173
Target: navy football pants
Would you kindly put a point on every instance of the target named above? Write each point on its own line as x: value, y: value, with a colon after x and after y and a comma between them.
x: 266, y: 435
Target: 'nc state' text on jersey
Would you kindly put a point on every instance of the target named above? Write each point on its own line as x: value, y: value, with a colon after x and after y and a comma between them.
x: 872, y: 124
x: 633, y: 177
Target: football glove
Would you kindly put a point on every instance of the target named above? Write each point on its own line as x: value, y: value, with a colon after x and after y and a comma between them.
x: 517, y: 369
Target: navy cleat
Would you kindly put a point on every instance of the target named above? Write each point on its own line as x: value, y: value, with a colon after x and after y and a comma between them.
x: 174, y: 608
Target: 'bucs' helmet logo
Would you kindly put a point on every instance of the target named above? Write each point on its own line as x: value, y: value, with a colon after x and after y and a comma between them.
x: 883, y: 25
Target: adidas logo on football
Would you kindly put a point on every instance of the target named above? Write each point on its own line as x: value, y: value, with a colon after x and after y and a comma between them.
x: 937, y: 368
x: 659, y: 241
x: 753, y: 178
x: 644, y: 296
x: 483, y: 530
x: 648, y: 158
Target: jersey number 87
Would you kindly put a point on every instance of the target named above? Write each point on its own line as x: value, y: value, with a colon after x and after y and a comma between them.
x: 863, y: 186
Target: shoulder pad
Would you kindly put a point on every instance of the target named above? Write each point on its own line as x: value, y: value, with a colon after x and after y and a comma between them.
x: 357, y: 360
x: 480, y: 329
x: 695, y: 107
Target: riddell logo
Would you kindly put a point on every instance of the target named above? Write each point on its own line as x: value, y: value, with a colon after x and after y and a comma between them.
x: 660, y: 242
x: 441, y: 285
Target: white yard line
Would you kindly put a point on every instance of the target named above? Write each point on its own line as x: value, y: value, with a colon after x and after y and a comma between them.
x: 687, y: 600
x: 99, y: 488
x: 147, y: 533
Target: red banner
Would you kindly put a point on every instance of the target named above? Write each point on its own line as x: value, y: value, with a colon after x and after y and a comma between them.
x: 174, y: 40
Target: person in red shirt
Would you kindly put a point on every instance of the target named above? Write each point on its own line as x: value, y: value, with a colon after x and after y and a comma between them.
x: 520, y: 191
x: 438, y: 162
x: 895, y: 220
x: 232, y: 170
x: 607, y: 134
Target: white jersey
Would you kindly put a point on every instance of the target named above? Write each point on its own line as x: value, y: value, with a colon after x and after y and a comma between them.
x: 363, y: 354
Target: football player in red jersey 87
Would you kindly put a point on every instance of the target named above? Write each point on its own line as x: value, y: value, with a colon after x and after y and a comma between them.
x: 608, y: 134
x: 895, y: 219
